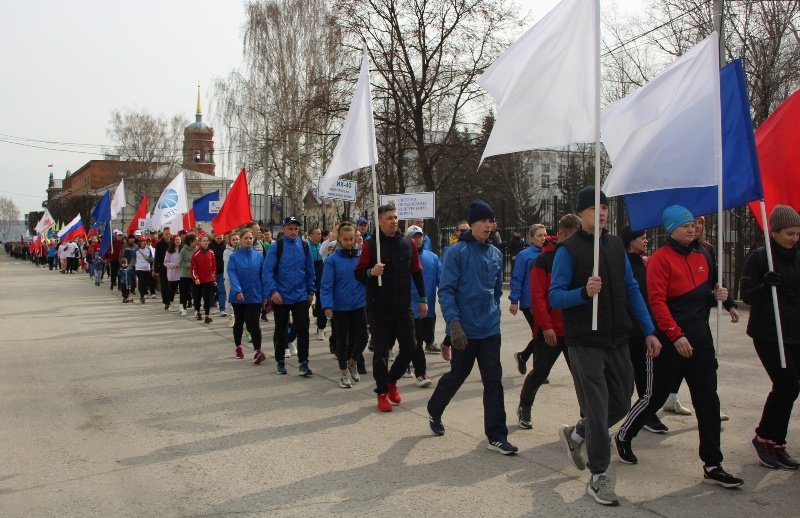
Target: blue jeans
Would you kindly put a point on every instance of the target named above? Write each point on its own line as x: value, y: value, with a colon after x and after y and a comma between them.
x: 221, y: 291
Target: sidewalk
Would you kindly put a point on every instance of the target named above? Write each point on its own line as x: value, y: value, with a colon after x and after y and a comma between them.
x: 115, y: 409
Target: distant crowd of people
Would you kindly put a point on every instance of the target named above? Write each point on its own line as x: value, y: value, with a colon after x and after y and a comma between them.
x: 373, y: 291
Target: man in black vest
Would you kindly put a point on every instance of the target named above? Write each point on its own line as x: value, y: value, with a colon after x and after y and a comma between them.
x: 389, y: 305
x: 599, y: 360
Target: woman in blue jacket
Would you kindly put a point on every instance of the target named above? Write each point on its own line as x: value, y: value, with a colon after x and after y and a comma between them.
x: 344, y: 300
x: 246, y: 292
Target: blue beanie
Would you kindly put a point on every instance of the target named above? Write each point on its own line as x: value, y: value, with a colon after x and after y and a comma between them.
x: 674, y: 216
x: 479, y: 210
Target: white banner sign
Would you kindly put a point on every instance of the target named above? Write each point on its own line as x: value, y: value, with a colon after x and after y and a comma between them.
x: 417, y: 205
x: 213, y: 207
x: 338, y: 190
x: 145, y: 223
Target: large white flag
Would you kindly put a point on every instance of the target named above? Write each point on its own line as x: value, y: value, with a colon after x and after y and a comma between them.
x: 45, y: 222
x: 171, y: 204
x: 356, y: 147
x: 118, y: 199
x: 545, y: 83
x: 668, y: 134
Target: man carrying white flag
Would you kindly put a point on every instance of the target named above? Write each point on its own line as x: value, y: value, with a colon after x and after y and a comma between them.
x: 668, y: 134
x: 171, y: 204
x: 545, y: 84
x: 356, y: 147
x: 118, y: 199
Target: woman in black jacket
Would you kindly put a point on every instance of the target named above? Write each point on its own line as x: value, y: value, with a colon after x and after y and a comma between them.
x: 757, y: 281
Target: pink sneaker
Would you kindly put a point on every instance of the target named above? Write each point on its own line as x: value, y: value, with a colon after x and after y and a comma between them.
x: 239, y: 352
x: 259, y: 357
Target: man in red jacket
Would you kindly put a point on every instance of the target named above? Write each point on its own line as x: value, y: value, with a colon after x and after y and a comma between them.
x: 548, y: 328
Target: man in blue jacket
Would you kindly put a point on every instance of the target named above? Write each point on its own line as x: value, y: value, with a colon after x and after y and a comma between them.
x: 469, y: 293
x: 288, y: 279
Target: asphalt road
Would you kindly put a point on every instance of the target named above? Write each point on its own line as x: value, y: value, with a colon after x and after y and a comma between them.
x: 112, y: 409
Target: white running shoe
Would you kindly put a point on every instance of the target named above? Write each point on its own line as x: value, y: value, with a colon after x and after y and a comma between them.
x: 676, y: 407
x: 287, y: 353
x: 293, y: 347
x: 183, y: 312
x: 424, y: 381
x: 320, y: 334
x: 230, y: 321
x: 345, y: 382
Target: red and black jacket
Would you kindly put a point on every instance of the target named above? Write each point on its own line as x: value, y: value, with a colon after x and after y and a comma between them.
x: 679, y: 288
x: 544, y: 316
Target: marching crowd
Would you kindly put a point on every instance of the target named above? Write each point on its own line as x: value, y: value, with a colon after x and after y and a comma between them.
x: 374, y: 290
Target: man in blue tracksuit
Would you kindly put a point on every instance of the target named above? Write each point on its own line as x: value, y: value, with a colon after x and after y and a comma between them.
x: 469, y: 293
x: 289, y: 282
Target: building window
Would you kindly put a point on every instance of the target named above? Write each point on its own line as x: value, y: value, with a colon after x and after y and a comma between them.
x: 560, y: 181
x: 562, y: 168
x: 208, y: 156
x: 545, y: 181
x: 545, y: 168
x: 196, y: 155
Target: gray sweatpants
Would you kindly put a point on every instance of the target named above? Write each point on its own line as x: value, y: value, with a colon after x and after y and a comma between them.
x: 604, y: 383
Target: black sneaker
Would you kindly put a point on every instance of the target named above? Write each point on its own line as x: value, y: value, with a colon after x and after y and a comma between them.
x: 521, y: 367
x: 655, y: 425
x: 304, y: 370
x: 625, y: 451
x: 524, y: 416
x: 436, y: 425
x: 503, y: 447
x: 766, y: 453
x: 208, y: 320
x: 784, y: 459
x: 720, y: 477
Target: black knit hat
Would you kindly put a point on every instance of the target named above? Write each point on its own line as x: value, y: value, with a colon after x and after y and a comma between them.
x: 627, y: 235
x: 783, y: 216
x: 479, y: 210
x: 586, y: 198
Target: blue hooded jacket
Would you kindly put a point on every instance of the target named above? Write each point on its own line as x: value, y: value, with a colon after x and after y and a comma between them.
x: 432, y: 273
x: 521, y: 277
x: 244, y: 274
x: 471, y: 286
x: 340, y: 290
x: 295, y: 280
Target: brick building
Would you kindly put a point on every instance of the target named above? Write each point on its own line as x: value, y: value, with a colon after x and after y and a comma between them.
x: 198, y: 144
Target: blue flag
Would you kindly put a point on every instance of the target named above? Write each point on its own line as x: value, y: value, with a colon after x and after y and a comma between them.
x: 101, y: 214
x: 200, y: 206
x: 741, y: 177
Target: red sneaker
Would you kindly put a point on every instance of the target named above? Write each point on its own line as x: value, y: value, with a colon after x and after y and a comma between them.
x: 259, y: 357
x: 394, y: 394
x: 239, y: 352
x: 383, y: 403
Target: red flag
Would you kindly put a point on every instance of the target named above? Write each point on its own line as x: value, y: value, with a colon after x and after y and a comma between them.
x: 778, y: 144
x: 235, y: 210
x: 189, y: 221
x: 140, y: 214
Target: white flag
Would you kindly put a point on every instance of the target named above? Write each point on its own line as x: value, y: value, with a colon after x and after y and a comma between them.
x: 118, y: 199
x: 668, y: 134
x: 356, y: 147
x: 545, y: 83
x: 45, y: 222
x: 171, y: 204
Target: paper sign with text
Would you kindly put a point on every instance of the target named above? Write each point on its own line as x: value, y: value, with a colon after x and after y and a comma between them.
x: 417, y: 205
x: 338, y: 190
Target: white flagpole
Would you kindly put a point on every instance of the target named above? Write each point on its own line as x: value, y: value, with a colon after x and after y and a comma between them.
x: 774, y: 290
x: 377, y: 227
x: 596, y: 267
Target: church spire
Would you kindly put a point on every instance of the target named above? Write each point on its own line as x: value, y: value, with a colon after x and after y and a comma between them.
x: 199, y: 112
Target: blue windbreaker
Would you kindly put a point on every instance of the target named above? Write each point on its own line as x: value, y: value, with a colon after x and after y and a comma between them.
x: 521, y: 277
x: 244, y: 275
x: 471, y: 286
x: 431, y: 273
x: 340, y: 290
x: 295, y: 280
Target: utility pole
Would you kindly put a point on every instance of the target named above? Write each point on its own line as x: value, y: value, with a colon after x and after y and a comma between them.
x: 718, y: 9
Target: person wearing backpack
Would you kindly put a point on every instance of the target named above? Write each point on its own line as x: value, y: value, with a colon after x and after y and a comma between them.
x: 289, y: 283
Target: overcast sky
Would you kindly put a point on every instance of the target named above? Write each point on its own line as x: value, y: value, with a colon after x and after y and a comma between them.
x: 65, y: 66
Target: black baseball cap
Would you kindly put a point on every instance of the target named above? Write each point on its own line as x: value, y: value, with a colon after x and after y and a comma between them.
x: 291, y: 219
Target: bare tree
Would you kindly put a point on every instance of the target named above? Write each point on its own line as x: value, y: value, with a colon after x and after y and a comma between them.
x: 145, y: 143
x: 9, y: 215
x: 278, y: 109
x: 426, y: 56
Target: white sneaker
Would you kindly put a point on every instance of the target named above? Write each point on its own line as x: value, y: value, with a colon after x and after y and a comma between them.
x: 230, y: 321
x: 408, y: 373
x: 424, y: 381
x: 223, y: 314
x: 320, y: 334
x: 345, y: 382
x: 293, y: 347
x: 183, y: 312
x: 287, y: 353
x: 354, y: 375
x: 676, y: 407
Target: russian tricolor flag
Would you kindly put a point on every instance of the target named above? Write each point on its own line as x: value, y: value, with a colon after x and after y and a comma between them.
x: 72, y: 230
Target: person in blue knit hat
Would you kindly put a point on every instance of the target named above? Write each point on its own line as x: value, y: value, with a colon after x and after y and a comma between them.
x: 682, y: 291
